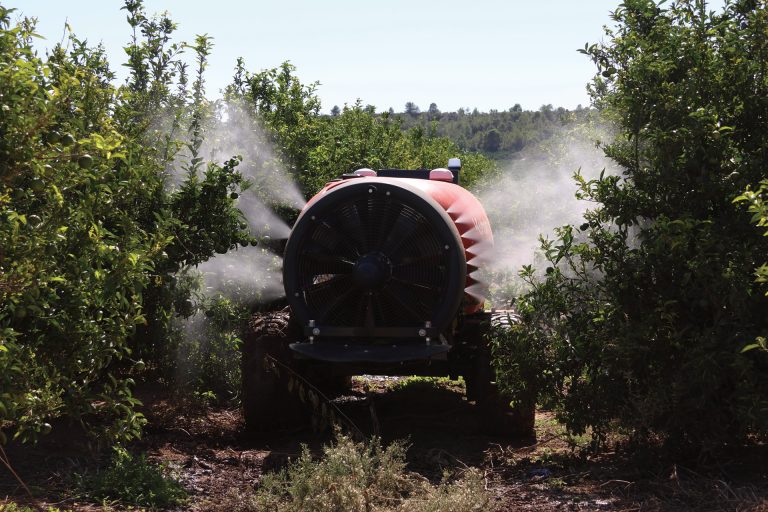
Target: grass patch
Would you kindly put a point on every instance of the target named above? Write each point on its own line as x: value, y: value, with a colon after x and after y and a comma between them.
x: 13, y: 507
x: 132, y: 480
x: 358, y: 477
x: 419, y: 383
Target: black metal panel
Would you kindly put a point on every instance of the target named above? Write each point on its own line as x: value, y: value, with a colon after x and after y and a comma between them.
x: 422, y: 174
x: 374, y: 254
x: 375, y: 332
x: 356, y: 353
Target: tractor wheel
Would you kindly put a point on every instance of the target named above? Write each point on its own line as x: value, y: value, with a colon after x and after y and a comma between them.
x: 499, y: 417
x: 267, y: 367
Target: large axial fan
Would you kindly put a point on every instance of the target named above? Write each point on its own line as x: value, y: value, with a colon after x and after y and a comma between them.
x: 374, y: 255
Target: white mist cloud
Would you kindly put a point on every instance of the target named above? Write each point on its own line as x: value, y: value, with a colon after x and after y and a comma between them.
x: 536, y: 194
x: 232, y: 131
x: 244, y: 274
x: 235, y: 132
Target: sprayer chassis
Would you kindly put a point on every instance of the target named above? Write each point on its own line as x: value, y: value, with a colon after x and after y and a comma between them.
x: 380, y: 278
x: 268, y: 365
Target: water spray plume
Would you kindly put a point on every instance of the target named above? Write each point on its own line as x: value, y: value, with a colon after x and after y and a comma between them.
x: 236, y: 132
x: 245, y: 273
x: 536, y: 194
x: 233, y: 131
x: 262, y: 221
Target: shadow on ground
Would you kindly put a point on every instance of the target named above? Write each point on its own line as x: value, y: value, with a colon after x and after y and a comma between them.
x: 212, y: 454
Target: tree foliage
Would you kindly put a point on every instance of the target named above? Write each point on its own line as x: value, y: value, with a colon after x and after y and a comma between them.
x: 359, y: 138
x: 645, y: 310
x: 108, y: 199
x: 87, y: 225
x: 500, y: 135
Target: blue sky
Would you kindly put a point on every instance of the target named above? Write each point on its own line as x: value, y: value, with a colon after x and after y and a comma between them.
x: 484, y: 53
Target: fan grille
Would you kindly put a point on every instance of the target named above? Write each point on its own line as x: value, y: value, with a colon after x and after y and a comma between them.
x: 371, y: 260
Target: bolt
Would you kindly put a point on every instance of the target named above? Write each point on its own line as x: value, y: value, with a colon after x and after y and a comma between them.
x: 422, y: 332
x: 447, y: 247
x: 313, y: 217
x: 316, y: 331
x: 370, y: 191
x: 389, y: 193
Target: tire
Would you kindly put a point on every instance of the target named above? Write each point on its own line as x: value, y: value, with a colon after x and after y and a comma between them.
x: 268, y: 404
x: 499, y: 417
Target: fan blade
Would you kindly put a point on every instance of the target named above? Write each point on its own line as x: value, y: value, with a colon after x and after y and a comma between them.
x: 417, y: 260
x: 406, y: 306
x: 337, y: 303
x: 334, y: 281
x: 328, y: 232
x: 403, y: 230
x: 350, y: 223
x: 370, y: 321
x: 327, y: 296
x: 325, y: 263
x: 390, y: 215
x: 422, y: 286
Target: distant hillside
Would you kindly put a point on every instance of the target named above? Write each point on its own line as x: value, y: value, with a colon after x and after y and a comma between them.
x: 497, y: 134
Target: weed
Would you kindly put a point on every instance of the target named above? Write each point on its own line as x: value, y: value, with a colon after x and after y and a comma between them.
x: 132, y: 480
x: 556, y: 483
x: 417, y: 383
x: 357, y: 477
x: 13, y: 507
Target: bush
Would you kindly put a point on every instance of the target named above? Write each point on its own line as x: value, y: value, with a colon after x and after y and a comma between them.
x: 642, y: 315
x: 208, y: 350
x: 90, y: 236
x: 759, y: 208
x: 356, y: 477
x: 132, y: 480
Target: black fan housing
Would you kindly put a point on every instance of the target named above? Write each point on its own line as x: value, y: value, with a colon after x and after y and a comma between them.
x: 372, y: 255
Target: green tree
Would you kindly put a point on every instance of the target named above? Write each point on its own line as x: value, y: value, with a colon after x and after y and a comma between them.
x: 412, y: 109
x: 492, y: 141
x: 644, y: 310
x: 73, y: 257
x: 288, y: 109
x: 359, y: 138
x: 433, y: 112
x: 90, y: 237
x: 759, y: 208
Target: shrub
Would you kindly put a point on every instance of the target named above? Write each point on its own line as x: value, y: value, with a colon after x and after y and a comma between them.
x: 645, y: 308
x: 132, y: 480
x: 90, y: 237
x: 208, y: 349
x: 759, y: 208
x: 357, y: 477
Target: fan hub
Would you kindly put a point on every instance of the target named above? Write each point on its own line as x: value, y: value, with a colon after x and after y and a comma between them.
x: 373, y: 270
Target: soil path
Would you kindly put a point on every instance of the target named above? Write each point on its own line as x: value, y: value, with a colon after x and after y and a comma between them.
x: 212, y: 453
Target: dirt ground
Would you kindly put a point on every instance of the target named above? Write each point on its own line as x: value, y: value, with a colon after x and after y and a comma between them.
x: 211, y: 453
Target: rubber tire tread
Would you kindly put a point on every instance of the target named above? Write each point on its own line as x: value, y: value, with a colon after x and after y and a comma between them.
x: 268, y: 404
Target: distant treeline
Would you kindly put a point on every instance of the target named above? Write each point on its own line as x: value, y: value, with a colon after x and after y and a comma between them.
x: 498, y: 134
